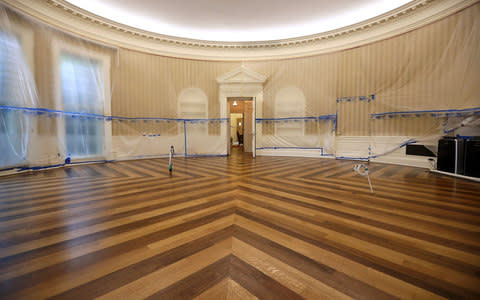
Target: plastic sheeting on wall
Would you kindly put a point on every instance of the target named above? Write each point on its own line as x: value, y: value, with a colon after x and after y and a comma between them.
x: 63, y: 114
x: 60, y: 109
x: 297, y: 133
x: 15, y: 91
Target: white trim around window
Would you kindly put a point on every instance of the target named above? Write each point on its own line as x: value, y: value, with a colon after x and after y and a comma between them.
x: 59, y: 47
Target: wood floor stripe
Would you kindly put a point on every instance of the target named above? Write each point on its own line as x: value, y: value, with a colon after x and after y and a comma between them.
x: 350, y: 245
x: 60, y: 256
x: 421, y: 211
x: 461, y: 243
x: 89, y: 205
x: 115, y: 279
x: 320, y: 218
x: 430, y: 200
x: 238, y: 228
x: 302, y: 284
x: 197, y: 283
x: 308, y: 259
x: 327, y: 229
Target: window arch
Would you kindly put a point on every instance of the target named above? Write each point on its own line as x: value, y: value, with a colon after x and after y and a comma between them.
x: 289, y: 102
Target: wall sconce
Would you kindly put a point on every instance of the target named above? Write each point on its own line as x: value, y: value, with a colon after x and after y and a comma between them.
x: 235, y: 103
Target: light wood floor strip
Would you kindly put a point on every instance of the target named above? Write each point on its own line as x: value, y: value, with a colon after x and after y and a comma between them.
x: 238, y: 228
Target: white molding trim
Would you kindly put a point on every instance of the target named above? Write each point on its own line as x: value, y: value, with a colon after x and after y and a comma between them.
x: 292, y: 152
x: 72, y: 19
x: 241, y: 75
x: 455, y: 175
x: 59, y: 46
x: 241, y: 82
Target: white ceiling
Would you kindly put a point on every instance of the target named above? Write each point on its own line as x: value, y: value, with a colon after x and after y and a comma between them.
x: 238, y: 20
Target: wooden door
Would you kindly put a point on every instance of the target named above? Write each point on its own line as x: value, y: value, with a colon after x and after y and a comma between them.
x: 247, y: 128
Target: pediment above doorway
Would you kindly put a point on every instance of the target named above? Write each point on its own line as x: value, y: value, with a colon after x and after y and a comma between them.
x: 241, y: 75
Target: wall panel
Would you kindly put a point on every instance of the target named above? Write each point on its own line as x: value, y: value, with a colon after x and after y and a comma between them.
x: 434, y: 67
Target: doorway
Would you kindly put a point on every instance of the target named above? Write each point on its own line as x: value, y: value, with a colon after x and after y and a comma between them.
x: 241, y: 123
x: 238, y: 83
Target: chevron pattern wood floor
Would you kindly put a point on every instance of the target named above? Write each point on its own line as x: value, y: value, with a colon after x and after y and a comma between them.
x: 238, y: 228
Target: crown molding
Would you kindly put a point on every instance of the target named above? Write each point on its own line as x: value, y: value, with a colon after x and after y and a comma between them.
x: 70, y: 18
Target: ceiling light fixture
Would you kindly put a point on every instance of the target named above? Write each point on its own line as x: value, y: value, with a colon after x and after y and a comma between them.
x: 235, y: 103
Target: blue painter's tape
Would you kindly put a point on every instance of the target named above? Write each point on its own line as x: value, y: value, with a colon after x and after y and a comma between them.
x: 41, y: 111
x: 327, y: 117
x: 282, y: 148
x: 206, y: 155
x: 335, y: 121
x: 39, y: 167
x: 411, y: 141
x: 464, y: 137
x: 8, y: 169
x: 91, y: 161
x: 203, y: 120
x: 433, y: 113
x: 355, y: 98
x: 296, y: 119
x: 185, y: 136
x: 352, y: 158
x: 289, y: 118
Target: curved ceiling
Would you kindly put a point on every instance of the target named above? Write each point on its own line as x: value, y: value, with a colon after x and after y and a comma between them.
x: 238, y: 20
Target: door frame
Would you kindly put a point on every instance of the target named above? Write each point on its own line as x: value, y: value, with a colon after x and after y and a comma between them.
x: 240, y: 99
x: 238, y: 83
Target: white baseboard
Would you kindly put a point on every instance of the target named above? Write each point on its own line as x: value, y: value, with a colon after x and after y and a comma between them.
x: 292, y: 152
x: 406, y: 160
x: 357, y: 146
x: 456, y: 175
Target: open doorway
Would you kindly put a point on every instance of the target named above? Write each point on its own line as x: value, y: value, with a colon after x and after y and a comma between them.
x: 241, y: 123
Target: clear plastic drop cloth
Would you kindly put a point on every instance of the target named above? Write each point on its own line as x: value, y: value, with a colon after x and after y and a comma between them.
x: 446, y: 103
x: 17, y: 94
x: 67, y: 100
x: 147, y: 137
x: 297, y: 133
x: 54, y: 95
x: 204, y: 137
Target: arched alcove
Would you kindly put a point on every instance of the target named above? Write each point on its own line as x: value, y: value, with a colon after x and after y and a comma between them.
x: 192, y: 104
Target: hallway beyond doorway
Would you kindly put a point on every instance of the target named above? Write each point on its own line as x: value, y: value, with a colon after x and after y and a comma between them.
x: 241, y: 123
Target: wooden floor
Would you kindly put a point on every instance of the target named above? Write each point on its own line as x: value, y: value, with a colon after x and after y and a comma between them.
x: 238, y: 228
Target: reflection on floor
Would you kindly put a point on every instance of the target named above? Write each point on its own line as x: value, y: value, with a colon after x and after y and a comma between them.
x: 238, y: 228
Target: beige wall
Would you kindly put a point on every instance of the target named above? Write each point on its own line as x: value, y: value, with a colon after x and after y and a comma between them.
x: 434, y: 67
